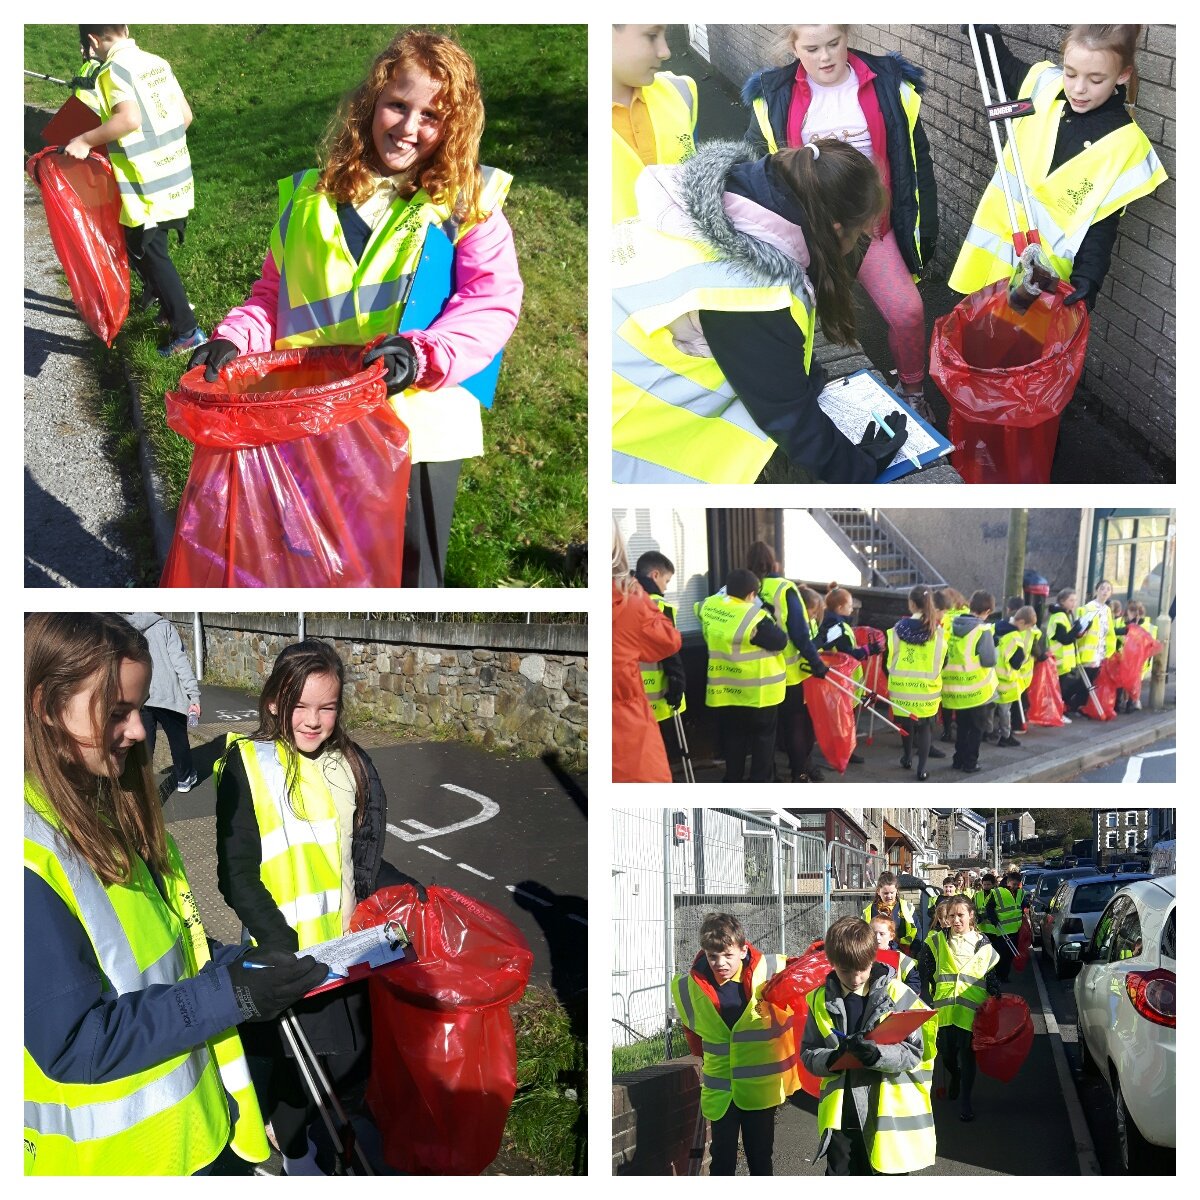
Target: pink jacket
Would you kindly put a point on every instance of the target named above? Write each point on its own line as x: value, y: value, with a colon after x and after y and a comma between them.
x: 474, y: 327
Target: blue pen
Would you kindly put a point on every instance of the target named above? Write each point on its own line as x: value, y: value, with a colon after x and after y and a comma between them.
x: 888, y: 430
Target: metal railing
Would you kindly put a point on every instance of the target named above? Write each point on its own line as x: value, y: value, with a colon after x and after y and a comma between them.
x: 891, y: 557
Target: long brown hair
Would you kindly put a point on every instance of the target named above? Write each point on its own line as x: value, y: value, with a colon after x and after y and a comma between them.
x: 760, y: 559
x: 836, y: 184
x: 107, y: 819
x: 1120, y: 40
x: 921, y: 599
x: 452, y: 175
x: 280, y: 695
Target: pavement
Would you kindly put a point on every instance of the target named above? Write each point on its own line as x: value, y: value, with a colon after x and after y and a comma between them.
x: 1088, y: 450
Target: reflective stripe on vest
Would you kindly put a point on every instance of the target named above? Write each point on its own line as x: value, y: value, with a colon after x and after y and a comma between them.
x: 654, y: 678
x: 1029, y: 640
x: 1008, y: 677
x: 915, y: 672
x: 957, y: 994
x: 1064, y: 652
x: 1102, y: 179
x: 966, y: 682
x: 671, y: 106
x: 906, y: 926
x: 171, y: 1118
x: 1008, y: 911
x: 773, y: 592
x: 739, y: 673
x: 674, y: 414
x: 1091, y: 645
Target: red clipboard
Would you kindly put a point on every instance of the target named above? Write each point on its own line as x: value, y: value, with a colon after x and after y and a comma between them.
x: 69, y: 122
x: 895, y: 1027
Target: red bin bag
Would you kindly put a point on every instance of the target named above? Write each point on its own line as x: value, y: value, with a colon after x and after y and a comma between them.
x: 1044, y: 702
x: 1024, y: 945
x: 832, y: 711
x: 444, y: 1054
x: 83, y: 211
x: 788, y: 989
x: 1007, y: 378
x: 1002, y: 1036
x: 299, y: 477
x: 1140, y: 648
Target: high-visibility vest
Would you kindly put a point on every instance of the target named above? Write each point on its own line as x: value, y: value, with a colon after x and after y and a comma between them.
x: 739, y: 673
x: 985, y: 923
x: 915, y: 672
x: 301, y: 852
x: 906, y: 923
x: 900, y: 1132
x: 910, y: 102
x: 1152, y: 630
x: 89, y: 95
x: 1008, y: 910
x: 958, y: 993
x: 1029, y: 639
x: 654, y: 678
x: 752, y: 1065
x: 1092, y: 646
x: 1008, y: 677
x: 966, y: 682
x: 152, y: 166
x: 675, y: 417
x: 773, y: 592
x: 671, y: 103
x: 169, y: 1119
x: 1111, y: 642
x: 1099, y: 181
x: 1066, y: 654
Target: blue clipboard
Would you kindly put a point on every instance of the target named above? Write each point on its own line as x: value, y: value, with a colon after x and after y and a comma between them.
x: 432, y: 286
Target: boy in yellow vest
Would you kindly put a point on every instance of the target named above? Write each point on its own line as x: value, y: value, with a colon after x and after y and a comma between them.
x: 875, y: 1118
x: 653, y: 114
x: 748, y: 1045
x: 969, y: 679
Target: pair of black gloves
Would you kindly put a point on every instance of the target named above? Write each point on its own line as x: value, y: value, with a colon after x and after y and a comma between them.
x: 400, y: 360
x: 865, y: 1050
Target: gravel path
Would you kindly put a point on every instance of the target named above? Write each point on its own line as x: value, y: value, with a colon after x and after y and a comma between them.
x: 73, y: 493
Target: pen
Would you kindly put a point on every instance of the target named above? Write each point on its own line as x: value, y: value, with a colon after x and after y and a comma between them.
x: 904, y: 451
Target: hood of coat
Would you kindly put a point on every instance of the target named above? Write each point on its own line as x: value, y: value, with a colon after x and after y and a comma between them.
x: 892, y: 67
x: 142, y: 621
x: 963, y: 624
x: 913, y: 631
x: 648, y: 584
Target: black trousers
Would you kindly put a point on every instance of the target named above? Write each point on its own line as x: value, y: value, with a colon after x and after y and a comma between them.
x: 920, y: 737
x: 1006, y: 953
x: 758, y: 1140
x: 749, y: 732
x: 150, y: 257
x: 1074, y: 690
x: 174, y: 725
x: 432, y: 488
x: 969, y: 736
x: 957, y: 1056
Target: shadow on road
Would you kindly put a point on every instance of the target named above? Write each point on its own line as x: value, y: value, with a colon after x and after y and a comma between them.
x: 572, y: 786
x: 559, y: 917
x: 55, y: 540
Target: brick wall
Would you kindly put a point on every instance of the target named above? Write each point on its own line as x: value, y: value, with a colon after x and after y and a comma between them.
x: 1130, y: 371
x: 654, y: 1119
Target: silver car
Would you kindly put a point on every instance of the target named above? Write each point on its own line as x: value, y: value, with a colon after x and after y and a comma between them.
x: 1043, y: 892
x: 1072, y: 914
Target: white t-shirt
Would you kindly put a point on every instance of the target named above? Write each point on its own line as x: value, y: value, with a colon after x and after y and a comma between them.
x: 836, y: 113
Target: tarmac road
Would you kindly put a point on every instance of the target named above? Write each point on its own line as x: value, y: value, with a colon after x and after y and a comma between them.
x: 1154, y: 764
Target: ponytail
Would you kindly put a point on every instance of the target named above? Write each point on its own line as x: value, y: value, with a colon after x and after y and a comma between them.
x: 835, y: 597
x: 921, y: 598
x: 833, y: 182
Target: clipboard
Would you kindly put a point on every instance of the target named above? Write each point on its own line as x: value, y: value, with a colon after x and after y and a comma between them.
x: 894, y: 1028
x: 889, y: 401
x: 69, y: 122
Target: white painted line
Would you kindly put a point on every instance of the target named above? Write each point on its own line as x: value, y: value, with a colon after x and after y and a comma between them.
x: 465, y: 867
x: 417, y: 825
x: 536, y: 899
x: 577, y: 917
x: 1085, y: 1149
x: 430, y: 850
x: 487, y: 810
x: 1157, y: 753
x: 1133, y: 770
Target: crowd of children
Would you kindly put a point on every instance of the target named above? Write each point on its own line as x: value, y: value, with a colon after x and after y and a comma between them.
x: 875, y: 1112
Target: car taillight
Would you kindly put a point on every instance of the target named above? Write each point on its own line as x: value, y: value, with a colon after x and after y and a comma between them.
x: 1072, y: 925
x: 1152, y: 994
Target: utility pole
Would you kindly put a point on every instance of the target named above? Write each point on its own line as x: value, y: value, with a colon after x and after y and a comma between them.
x: 1014, y: 567
x: 1158, y: 673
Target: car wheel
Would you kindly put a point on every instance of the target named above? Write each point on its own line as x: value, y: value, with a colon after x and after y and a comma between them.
x: 1138, y: 1156
x: 1061, y: 969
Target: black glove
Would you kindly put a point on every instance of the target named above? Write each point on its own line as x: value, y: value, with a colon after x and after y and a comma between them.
x: 1085, y: 290
x: 213, y: 355
x: 864, y: 1050
x: 82, y: 83
x: 875, y: 647
x: 981, y: 31
x: 400, y: 358
x: 882, y: 447
x: 673, y: 696
x: 277, y: 982
x: 819, y: 669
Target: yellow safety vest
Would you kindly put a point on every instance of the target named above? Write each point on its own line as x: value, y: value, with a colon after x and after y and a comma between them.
x: 739, y: 673
x: 915, y: 673
x: 773, y: 592
x: 1099, y: 181
x: 1029, y: 639
x: 900, y: 1131
x: 752, y: 1065
x: 654, y: 678
x: 966, y: 682
x: 1065, y: 653
x: 152, y: 165
x: 986, y: 924
x: 89, y: 95
x: 1008, y: 677
x: 910, y: 102
x: 958, y: 994
x: 672, y: 105
x: 1111, y: 642
x: 301, y: 854
x: 169, y: 1119
x: 906, y: 926
x: 675, y: 417
x: 1092, y: 647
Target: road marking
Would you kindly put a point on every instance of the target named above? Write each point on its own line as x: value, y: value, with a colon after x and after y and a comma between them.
x: 430, y: 850
x: 528, y: 896
x: 418, y: 826
x: 473, y: 871
x: 225, y: 715
x: 488, y: 808
x: 1133, y: 768
x: 1085, y: 1149
x: 577, y: 917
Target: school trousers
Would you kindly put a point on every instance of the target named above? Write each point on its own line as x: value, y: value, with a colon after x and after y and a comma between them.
x: 432, y: 488
x: 757, y: 1128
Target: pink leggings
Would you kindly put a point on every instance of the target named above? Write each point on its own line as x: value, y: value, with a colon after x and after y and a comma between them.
x: 890, y: 285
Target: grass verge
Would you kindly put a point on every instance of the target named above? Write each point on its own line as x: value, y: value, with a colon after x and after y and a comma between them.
x: 647, y: 1052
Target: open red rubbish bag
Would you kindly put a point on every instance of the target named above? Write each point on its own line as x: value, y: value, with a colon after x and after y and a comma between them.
x: 444, y: 1054
x: 1140, y: 646
x: 832, y: 711
x: 83, y: 211
x: 789, y: 988
x: 1043, y: 702
x: 1007, y: 378
x: 1002, y: 1036
x: 299, y: 477
x: 874, y: 676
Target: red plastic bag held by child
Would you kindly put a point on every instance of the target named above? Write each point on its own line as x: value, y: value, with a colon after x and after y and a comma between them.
x: 1002, y: 1037
x: 830, y: 704
x: 1024, y: 946
x: 1141, y: 646
x: 1043, y: 702
x: 789, y: 988
x: 299, y: 478
x: 444, y: 1055
x: 83, y: 211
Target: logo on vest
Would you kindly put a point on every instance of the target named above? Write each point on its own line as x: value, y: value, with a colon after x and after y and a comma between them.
x: 1072, y: 201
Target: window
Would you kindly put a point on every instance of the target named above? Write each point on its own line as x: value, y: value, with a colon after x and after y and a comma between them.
x: 1131, y: 818
x: 1112, y: 820
x: 1168, y: 937
x: 1111, y: 842
x: 1102, y: 939
x: 1092, y: 897
x: 1127, y: 941
x: 1131, y: 839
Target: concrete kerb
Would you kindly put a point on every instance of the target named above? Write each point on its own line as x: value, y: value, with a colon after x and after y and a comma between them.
x: 162, y: 524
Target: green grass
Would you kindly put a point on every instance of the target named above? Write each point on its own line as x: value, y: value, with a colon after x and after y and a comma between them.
x: 648, y: 1052
x: 262, y: 95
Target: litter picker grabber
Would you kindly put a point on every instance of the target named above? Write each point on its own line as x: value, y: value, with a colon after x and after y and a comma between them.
x: 341, y: 1131
x: 48, y: 78
x: 1091, y: 693
x: 853, y: 696
x: 688, y: 774
x: 871, y: 696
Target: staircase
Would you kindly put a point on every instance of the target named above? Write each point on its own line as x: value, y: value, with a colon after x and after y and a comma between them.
x: 894, y: 562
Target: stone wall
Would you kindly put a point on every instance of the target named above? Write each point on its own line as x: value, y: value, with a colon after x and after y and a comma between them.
x: 509, y: 686
x: 655, y: 1112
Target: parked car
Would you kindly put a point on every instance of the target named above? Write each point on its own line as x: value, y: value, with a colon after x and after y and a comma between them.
x: 1131, y: 868
x: 1125, y: 999
x: 1043, y: 893
x: 1029, y: 878
x: 1072, y: 914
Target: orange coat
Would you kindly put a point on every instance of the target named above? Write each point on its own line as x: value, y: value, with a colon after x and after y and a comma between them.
x: 641, y: 633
